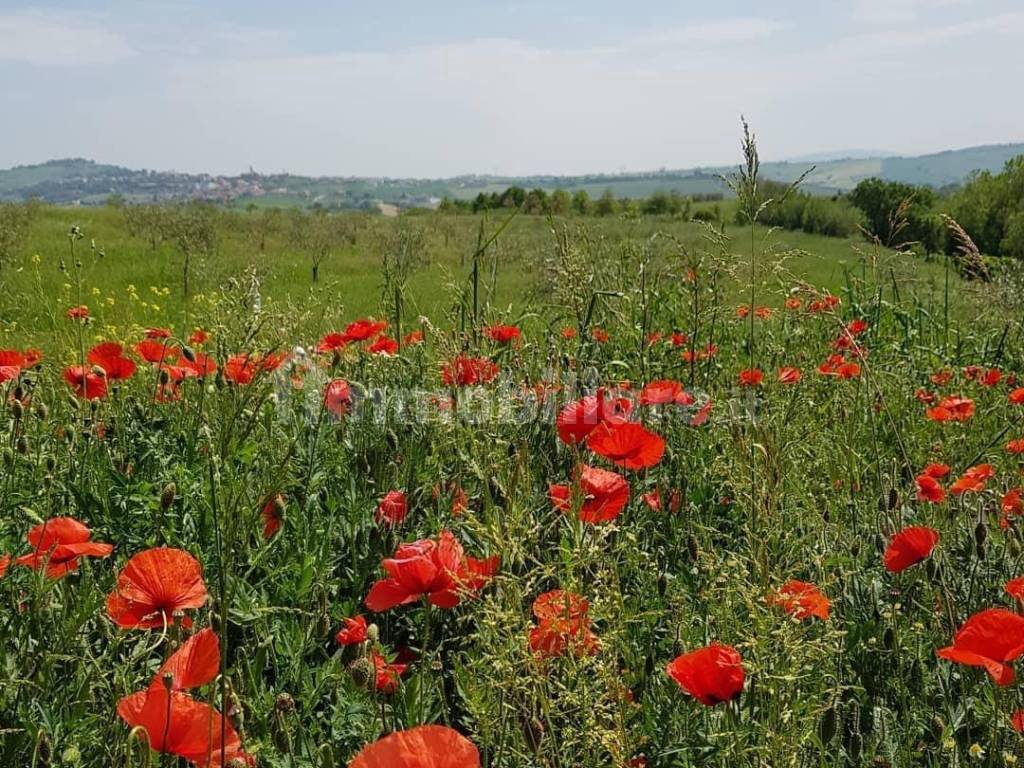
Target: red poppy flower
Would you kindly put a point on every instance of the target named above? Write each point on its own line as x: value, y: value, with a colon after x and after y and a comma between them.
x: 439, y: 570
x: 941, y: 378
x: 393, y: 508
x: 5, y: 561
x: 973, y: 480
x: 802, y: 600
x: 1017, y: 396
x: 742, y: 311
x: 364, y: 329
x: 198, y: 337
x: 563, y: 624
x: 11, y: 364
x: 332, y: 342
x: 85, y: 383
x: 199, y: 366
x: 1017, y: 721
x: 924, y: 396
x: 110, y: 357
x: 1015, y: 446
x: 840, y: 368
x: 653, y: 500
x: 241, y: 369
x: 177, y: 724
x: 412, y: 338
x: 712, y: 675
x: 577, y: 420
x: 792, y: 303
x: 789, y: 375
x: 856, y: 327
x: 929, y: 489
x: 156, y: 352
x: 599, y: 335
x: 568, y: 333
x: 154, y: 587
x: 629, y: 445
x: 426, y: 746
x: 58, y: 544
x: 952, y: 409
x: 989, y: 639
x: 909, y: 547
x: 700, y: 418
x: 81, y: 312
x: 1012, y: 505
x: 1015, y: 588
x: 751, y: 377
x: 157, y: 333
x: 764, y: 313
x: 464, y: 371
x: 272, y: 514
x: 991, y: 377
x: 387, y: 674
x: 664, y: 392
x: 194, y: 664
x: 936, y: 470
x: 677, y: 339
x: 337, y: 397
x: 503, y: 334
x: 353, y: 633
x: 604, y: 494
x: 384, y: 345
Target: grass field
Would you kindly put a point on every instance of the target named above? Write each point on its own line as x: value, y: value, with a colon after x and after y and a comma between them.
x: 603, y: 493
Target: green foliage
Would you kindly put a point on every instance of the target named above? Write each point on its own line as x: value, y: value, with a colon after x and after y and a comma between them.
x: 900, y: 215
x: 990, y: 208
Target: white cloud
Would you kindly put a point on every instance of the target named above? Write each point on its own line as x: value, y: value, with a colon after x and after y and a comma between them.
x: 48, y: 40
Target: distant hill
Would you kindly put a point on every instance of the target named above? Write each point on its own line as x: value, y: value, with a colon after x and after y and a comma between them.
x: 84, y: 182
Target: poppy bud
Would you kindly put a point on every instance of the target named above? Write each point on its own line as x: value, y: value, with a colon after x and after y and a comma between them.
x: 980, y: 536
x: 533, y: 732
x: 932, y: 570
x: 888, y: 639
x: 894, y: 498
x: 215, y: 623
x: 188, y: 353
x: 42, y: 412
x: 43, y: 750
x: 692, y: 547
x: 167, y: 495
x: 362, y: 672
x: 72, y: 402
x: 662, y: 584
x: 372, y: 633
x: 855, y: 548
x: 51, y: 463
x: 164, y: 377
x: 8, y: 456
x: 168, y: 680
x: 72, y: 756
x: 19, y: 393
x: 17, y: 409
x: 22, y: 445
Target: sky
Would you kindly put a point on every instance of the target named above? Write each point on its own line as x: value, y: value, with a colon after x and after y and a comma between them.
x: 410, y: 88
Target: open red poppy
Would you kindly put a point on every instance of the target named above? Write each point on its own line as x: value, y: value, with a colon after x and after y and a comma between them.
x: 393, y: 508
x: 85, y: 383
x: 155, y: 587
x: 629, y: 445
x: 563, y: 624
x: 604, y: 495
x: 438, y: 570
x: 58, y: 544
x: 712, y: 675
x: 578, y: 419
x: 110, y: 357
x: 664, y: 392
x: 973, y: 479
x: 465, y: 371
x: 802, y: 599
x: 909, y: 547
x: 426, y: 746
x: 929, y: 489
x: 989, y: 639
x: 353, y: 633
x: 503, y: 334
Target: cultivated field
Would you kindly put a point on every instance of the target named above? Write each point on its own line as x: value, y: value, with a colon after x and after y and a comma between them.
x: 518, y: 491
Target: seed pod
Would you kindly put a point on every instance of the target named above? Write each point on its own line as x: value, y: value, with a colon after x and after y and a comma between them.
x: 188, y: 353
x: 165, y: 377
x: 692, y: 548
x: 22, y: 445
x: 284, y: 702
x: 662, y: 584
x: 51, y: 463
x: 19, y: 393
x: 17, y: 409
x: 888, y: 639
x: 980, y: 536
x: 42, y: 411
x: 362, y: 672
x: 71, y: 756
x: 167, y: 495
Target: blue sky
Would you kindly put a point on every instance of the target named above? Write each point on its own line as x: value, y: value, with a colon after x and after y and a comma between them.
x: 442, y: 88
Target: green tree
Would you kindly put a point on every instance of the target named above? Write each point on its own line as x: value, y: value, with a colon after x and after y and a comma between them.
x: 560, y: 202
x: 581, y: 202
x: 606, y: 205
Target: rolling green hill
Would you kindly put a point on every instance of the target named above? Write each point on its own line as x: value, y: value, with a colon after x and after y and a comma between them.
x: 79, y: 181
